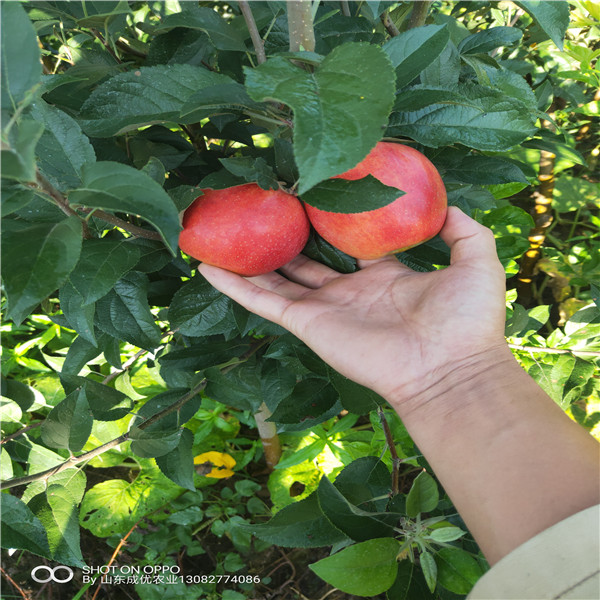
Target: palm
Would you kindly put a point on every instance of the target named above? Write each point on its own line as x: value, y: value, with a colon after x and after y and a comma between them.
x: 387, y: 327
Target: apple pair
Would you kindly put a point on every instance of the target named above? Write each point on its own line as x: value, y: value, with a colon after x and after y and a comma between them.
x: 251, y: 231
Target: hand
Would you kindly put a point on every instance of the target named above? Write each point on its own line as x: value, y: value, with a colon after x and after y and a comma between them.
x: 386, y: 326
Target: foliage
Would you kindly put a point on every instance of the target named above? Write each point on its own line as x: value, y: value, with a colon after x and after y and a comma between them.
x: 119, y: 356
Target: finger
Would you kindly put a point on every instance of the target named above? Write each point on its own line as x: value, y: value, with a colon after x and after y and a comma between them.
x: 308, y: 272
x: 468, y: 240
x: 263, y: 302
x: 274, y: 282
x: 363, y: 264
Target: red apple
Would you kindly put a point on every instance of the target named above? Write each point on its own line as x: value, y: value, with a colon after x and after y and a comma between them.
x: 412, y: 219
x: 245, y: 229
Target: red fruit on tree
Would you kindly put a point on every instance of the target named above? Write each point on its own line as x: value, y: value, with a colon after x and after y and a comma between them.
x: 245, y: 229
x: 413, y: 218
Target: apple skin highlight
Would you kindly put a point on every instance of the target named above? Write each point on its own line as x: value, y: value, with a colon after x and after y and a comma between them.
x: 245, y: 229
x: 412, y: 219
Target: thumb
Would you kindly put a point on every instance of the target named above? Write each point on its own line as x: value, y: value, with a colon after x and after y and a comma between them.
x: 468, y: 240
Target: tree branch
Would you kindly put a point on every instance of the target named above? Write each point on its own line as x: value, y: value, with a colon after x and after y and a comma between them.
x: 130, y: 227
x: 345, y: 8
x: 419, y: 13
x: 302, y: 35
x: 257, y: 42
x: 86, y: 456
x: 389, y: 24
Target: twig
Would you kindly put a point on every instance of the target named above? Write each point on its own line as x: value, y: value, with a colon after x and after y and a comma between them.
x: 389, y: 24
x: 419, y: 13
x: 100, y: 37
x: 120, y: 43
x: 257, y: 42
x: 124, y: 367
x: 58, y: 198
x: 345, y: 8
x: 396, y: 460
x: 300, y: 25
x: 117, y: 550
x: 553, y: 350
x: 86, y: 456
x: 12, y: 436
x: 21, y: 591
x: 130, y: 227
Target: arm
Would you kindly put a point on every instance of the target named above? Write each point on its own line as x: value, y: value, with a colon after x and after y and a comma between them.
x: 433, y: 345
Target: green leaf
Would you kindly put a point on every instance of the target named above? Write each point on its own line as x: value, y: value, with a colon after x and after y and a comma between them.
x: 299, y: 525
x: 240, y: 387
x: 63, y: 149
x: 223, y: 35
x: 410, y: 584
x: 216, y: 98
x: 476, y: 116
x: 306, y: 454
x: 118, y: 187
x: 142, y: 97
x: 163, y: 435
x: 445, y: 70
x: 415, y: 49
x: 79, y: 316
x: 355, y: 522
x: 6, y: 467
x: 252, y: 170
x: 423, y: 495
x: 14, y: 196
x: 106, y: 403
x: 352, y: 569
x: 343, y: 196
x: 18, y: 159
x: 124, y: 312
x: 340, y: 110
x: 490, y: 39
x: 21, y: 64
x: 37, y: 260
x: 149, y: 443
x: 571, y: 193
x: 20, y: 527
x: 429, y: 567
x: 72, y: 479
x: 198, y: 309
x: 485, y: 170
x: 114, y: 506
x: 184, y: 362
x: 58, y: 513
x: 457, y: 570
x: 364, y: 480
x: 310, y: 399
x: 552, y: 17
x: 446, y: 534
x: 80, y: 353
x: 101, y: 264
x: 178, y: 463
x: 69, y: 423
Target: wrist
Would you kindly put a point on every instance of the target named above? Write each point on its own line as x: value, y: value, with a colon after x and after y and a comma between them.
x: 458, y: 384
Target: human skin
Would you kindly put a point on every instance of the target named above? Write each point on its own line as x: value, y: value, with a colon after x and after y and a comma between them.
x: 432, y: 344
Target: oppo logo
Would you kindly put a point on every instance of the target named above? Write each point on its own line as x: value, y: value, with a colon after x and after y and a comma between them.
x: 44, y: 574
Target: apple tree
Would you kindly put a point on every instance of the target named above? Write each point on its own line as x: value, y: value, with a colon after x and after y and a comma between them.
x: 118, y: 355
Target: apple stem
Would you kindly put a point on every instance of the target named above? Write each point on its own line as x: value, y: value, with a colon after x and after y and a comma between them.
x: 419, y: 13
x: 300, y: 25
x: 257, y: 41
